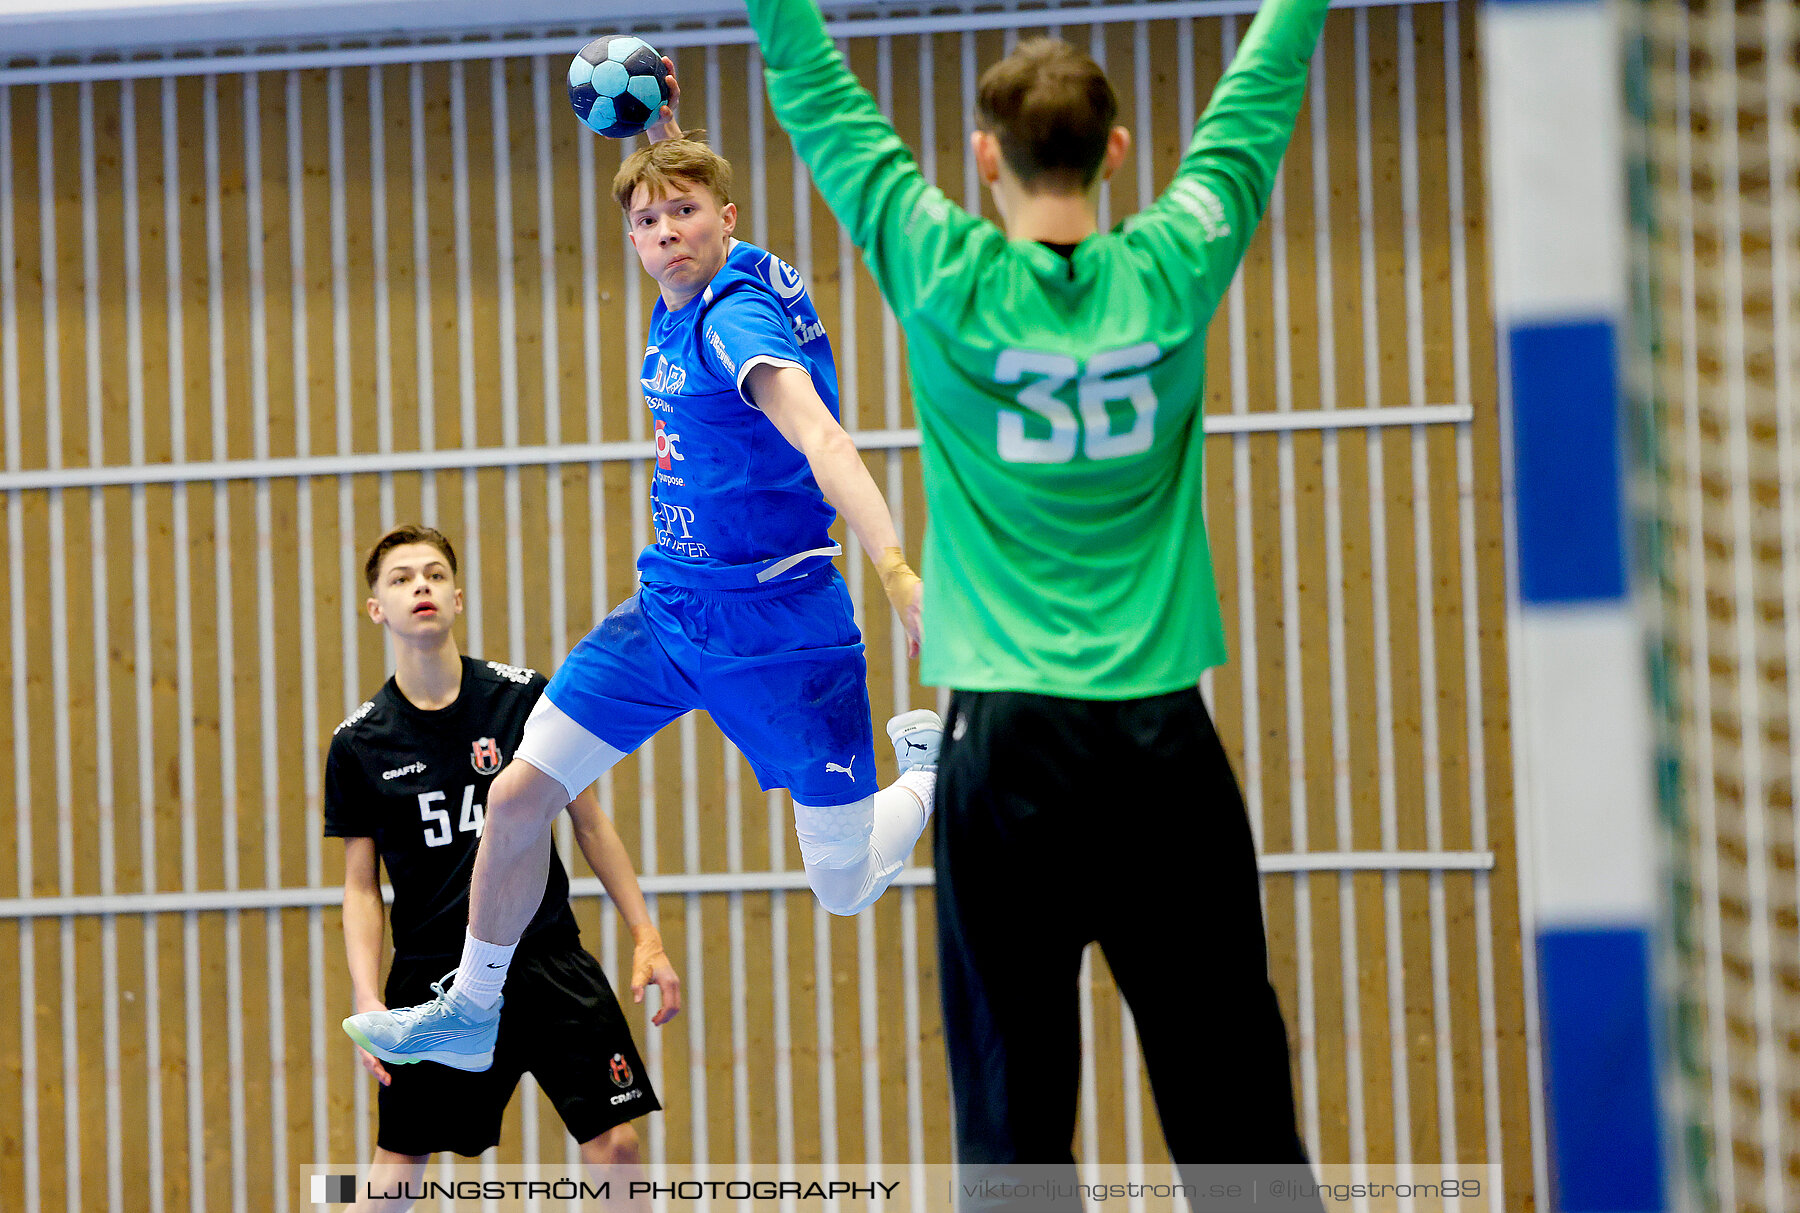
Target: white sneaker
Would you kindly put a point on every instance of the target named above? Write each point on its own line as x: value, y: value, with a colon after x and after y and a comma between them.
x: 916, y: 736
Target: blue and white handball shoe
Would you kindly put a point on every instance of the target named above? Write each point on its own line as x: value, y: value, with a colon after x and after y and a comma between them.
x: 450, y: 1030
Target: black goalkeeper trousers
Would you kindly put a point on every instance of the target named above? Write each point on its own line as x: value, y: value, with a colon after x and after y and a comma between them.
x: 1063, y: 822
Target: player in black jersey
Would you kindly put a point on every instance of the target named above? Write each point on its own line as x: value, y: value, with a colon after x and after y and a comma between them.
x: 405, y: 782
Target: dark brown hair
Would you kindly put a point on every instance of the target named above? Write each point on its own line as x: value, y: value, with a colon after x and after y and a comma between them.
x: 658, y: 167
x: 1051, y: 108
x: 400, y: 536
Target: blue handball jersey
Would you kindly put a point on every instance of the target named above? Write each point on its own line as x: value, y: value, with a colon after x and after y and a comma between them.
x: 734, y: 503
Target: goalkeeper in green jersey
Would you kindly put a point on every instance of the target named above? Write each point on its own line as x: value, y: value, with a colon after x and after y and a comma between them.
x: 1057, y: 375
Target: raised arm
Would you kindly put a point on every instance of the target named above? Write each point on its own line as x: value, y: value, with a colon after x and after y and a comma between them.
x: 1223, y: 183
x: 905, y: 226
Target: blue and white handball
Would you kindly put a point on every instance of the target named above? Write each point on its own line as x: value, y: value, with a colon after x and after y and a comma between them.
x: 618, y: 85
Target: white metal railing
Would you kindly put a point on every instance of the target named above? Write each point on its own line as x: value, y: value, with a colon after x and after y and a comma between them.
x: 471, y: 458
x: 674, y: 884
x: 484, y: 44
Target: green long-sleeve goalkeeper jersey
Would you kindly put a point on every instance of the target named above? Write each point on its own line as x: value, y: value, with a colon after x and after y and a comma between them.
x: 1059, y: 399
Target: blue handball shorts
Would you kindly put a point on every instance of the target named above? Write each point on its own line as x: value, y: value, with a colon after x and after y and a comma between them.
x: 780, y: 670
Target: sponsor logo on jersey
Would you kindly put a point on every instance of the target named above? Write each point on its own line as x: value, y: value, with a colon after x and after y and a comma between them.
x: 677, y: 521
x: 658, y: 405
x: 620, y: 1069
x: 411, y: 768
x: 805, y: 330
x: 668, y: 380
x: 512, y: 673
x: 1203, y: 205
x: 712, y: 339
x: 675, y: 529
x: 485, y: 757
x: 368, y: 705
x: 932, y: 207
x: 667, y: 456
x: 783, y: 278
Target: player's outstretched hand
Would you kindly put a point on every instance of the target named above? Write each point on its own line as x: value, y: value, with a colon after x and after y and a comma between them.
x: 650, y: 966
x: 668, y: 128
x: 369, y: 1061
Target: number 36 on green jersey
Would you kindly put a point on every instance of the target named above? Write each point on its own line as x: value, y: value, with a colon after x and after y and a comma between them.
x: 1103, y: 379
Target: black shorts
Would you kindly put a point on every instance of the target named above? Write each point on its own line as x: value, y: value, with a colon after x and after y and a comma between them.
x: 560, y: 1023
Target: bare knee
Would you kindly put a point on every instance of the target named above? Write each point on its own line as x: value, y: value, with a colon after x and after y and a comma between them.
x: 522, y: 794
x: 619, y: 1146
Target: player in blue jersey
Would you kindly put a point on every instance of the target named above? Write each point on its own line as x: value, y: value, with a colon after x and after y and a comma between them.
x: 739, y: 611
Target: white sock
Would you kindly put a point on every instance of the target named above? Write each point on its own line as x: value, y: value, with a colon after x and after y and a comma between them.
x: 853, y: 852
x: 483, y: 970
x: 901, y: 811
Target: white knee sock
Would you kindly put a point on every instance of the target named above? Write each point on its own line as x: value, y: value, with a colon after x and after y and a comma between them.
x: 483, y: 970
x: 901, y: 811
x: 853, y: 853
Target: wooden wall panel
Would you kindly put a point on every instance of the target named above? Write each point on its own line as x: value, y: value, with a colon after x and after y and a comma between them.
x: 329, y: 263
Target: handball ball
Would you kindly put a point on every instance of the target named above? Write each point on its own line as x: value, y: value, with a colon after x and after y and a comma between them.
x: 618, y: 85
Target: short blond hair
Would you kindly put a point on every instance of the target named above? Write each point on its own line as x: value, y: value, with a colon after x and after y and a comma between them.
x: 661, y: 165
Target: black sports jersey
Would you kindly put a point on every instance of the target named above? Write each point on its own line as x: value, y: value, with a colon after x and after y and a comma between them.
x: 416, y: 781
